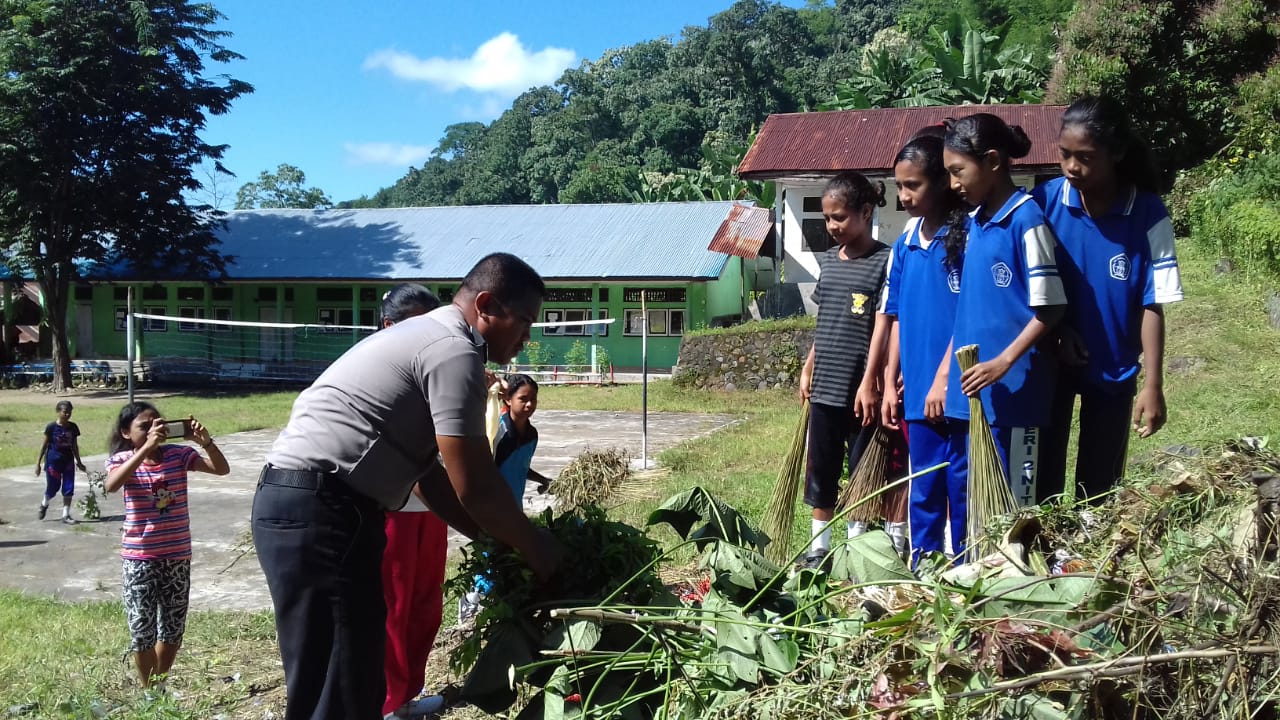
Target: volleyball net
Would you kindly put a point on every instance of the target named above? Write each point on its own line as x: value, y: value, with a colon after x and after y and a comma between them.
x: 190, y: 349
x: 199, y: 349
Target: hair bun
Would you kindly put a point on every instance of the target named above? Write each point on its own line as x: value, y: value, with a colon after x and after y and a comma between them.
x: 1019, y: 143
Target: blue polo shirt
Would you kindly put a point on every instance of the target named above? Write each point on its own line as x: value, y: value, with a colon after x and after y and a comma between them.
x: 1009, y: 271
x: 1112, y: 266
x: 921, y: 290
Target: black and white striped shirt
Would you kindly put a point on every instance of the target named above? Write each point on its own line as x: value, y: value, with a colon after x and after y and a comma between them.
x: 846, y: 294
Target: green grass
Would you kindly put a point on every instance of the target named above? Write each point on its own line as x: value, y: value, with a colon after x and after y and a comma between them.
x: 65, y: 657
x: 24, y: 416
x: 802, y: 322
x: 64, y: 660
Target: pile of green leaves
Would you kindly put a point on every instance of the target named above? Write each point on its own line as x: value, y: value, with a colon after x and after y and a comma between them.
x: 1159, y: 588
x: 606, y: 561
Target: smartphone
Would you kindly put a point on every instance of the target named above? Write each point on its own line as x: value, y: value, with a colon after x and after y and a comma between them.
x: 176, y: 429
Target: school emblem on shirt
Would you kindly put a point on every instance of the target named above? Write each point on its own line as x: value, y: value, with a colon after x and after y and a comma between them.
x: 953, y: 280
x: 859, y: 304
x: 1120, y: 267
x: 1001, y: 274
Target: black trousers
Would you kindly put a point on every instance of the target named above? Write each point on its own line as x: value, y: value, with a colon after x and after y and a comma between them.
x: 835, y: 436
x: 320, y: 546
x: 1105, y: 425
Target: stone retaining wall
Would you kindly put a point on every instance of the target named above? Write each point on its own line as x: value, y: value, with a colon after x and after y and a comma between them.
x: 743, y: 361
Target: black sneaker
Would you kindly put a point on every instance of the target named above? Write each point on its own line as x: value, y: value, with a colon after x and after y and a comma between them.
x: 43, y: 510
x: 816, y: 560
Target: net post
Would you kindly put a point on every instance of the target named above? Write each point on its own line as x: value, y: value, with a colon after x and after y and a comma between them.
x: 128, y: 338
x: 644, y: 383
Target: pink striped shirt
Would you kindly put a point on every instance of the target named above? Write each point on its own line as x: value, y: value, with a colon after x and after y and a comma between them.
x: 156, y: 523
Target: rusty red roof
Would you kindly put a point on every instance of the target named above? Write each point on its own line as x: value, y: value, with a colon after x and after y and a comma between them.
x: 744, y: 232
x: 822, y: 143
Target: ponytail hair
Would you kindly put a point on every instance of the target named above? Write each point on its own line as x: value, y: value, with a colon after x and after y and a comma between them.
x: 516, y: 381
x: 978, y: 134
x: 406, y: 300
x: 924, y: 150
x: 1106, y: 122
x: 855, y: 190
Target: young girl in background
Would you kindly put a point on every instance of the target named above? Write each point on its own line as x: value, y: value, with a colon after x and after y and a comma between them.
x: 157, y: 529
x: 921, y: 293
x: 517, y: 437
x: 1118, y: 269
x: 413, y: 564
x: 1010, y: 296
x: 59, y: 457
x: 850, y: 279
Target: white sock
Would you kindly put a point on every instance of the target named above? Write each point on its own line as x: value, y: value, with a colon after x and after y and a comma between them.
x: 44, y: 503
x: 66, y: 511
x: 821, y: 536
x: 898, y: 533
x: 855, y: 528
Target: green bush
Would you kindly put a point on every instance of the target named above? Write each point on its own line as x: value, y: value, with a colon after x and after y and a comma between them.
x: 1238, y: 213
x: 577, y: 357
x: 536, y: 354
x: 603, y: 361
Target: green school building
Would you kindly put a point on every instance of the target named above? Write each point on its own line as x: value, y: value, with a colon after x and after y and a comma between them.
x: 696, y: 265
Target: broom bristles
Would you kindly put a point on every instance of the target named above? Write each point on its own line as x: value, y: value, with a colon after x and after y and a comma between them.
x: 780, y: 515
x: 866, y: 478
x: 989, y: 492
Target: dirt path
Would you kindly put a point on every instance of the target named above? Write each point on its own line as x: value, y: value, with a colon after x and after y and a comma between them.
x: 81, y: 562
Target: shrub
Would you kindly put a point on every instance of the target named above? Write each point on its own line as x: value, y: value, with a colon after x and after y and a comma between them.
x: 1238, y: 214
x: 578, y: 356
x: 536, y: 354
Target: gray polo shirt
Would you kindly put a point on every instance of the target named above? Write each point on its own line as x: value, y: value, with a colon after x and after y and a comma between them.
x: 374, y: 414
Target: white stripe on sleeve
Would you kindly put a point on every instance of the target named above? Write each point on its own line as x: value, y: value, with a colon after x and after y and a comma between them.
x: 888, y: 273
x: 1044, y: 287
x: 1164, y: 263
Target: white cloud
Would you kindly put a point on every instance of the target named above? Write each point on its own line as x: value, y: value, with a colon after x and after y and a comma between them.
x: 381, y: 153
x: 502, y: 65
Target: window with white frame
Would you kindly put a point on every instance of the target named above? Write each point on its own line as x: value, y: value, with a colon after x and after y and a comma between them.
x: 153, y: 325
x: 661, y: 322
x: 334, y: 316
x: 222, y: 313
x: 813, y: 227
x: 564, y: 315
x: 190, y: 312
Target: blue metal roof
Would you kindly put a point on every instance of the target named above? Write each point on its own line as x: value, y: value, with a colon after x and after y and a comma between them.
x: 646, y: 240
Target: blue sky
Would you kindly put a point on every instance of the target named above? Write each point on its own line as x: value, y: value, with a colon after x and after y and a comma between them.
x: 355, y: 93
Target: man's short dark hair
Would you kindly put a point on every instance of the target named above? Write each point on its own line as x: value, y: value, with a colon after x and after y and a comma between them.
x: 506, y: 277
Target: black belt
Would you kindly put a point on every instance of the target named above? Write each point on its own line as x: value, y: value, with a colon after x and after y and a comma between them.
x: 302, y: 479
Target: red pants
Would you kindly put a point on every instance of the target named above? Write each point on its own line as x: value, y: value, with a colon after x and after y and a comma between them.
x: 412, y: 584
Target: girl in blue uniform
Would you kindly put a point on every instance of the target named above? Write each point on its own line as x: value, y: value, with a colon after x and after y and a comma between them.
x: 1010, y: 296
x: 921, y: 292
x: 1118, y: 269
x: 517, y: 437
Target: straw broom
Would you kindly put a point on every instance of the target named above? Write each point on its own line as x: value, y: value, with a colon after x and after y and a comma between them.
x: 780, y: 515
x: 866, y: 478
x: 989, y: 493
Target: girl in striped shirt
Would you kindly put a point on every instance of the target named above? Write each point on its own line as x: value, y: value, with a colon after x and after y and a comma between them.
x: 157, y: 529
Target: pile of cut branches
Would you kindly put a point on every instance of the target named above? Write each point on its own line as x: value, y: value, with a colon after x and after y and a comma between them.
x: 1162, y: 602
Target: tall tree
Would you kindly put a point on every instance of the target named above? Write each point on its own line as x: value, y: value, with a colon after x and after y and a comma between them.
x: 1174, y: 62
x: 284, y: 188
x: 101, y: 106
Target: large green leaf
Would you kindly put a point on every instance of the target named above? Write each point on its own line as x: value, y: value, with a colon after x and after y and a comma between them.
x: 489, y: 685
x: 720, y: 520
x: 869, y: 558
x: 743, y: 667
x: 575, y: 635
x: 741, y: 567
x: 779, y: 655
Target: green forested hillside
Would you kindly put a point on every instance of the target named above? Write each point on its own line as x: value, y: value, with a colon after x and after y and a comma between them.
x: 651, y: 107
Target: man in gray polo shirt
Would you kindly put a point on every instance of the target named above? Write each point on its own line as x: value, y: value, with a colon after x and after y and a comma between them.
x: 357, y: 441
